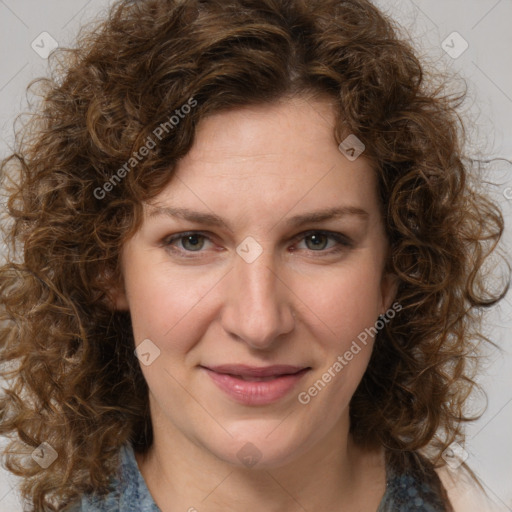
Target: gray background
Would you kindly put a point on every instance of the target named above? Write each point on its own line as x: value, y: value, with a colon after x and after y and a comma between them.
x: 487, y: 67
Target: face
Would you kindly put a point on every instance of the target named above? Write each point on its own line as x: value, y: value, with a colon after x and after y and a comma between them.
x: 231, y: 267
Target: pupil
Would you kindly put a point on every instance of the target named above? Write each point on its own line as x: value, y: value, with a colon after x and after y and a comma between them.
x: 316, y: 239
x: 194, y: 239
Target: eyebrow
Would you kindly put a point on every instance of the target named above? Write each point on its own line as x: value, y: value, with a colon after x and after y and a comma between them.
x: 211, y: 219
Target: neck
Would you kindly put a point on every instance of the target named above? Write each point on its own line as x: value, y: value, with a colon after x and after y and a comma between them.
x: 333, y: 474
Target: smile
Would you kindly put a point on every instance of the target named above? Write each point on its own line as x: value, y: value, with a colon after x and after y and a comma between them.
x: 247, y: 386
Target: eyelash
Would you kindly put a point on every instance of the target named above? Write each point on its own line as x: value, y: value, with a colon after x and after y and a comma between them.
x: 343, y: 242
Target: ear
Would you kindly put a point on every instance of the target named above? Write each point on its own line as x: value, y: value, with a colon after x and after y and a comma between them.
x: 119, y: 298
x: 116, y: 293
x: 389, y: 288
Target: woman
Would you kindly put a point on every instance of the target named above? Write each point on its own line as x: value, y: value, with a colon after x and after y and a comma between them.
x: 185, y: 342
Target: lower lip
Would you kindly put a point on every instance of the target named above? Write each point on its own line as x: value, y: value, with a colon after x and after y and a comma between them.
x: 256, y: 392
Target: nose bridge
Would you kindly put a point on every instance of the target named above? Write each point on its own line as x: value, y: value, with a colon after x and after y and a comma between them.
x: 258, y: 280
x: 259, y: 307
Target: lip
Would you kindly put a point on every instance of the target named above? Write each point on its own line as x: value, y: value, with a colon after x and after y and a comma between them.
x: 279, y: 381
x: 256, y: 371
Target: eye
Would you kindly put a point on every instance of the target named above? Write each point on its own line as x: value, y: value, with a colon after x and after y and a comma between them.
x: 190, y: 242
x: 319, y: 239
x: 316, y: 241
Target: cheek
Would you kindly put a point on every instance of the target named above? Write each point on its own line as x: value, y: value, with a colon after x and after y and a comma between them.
x: 165, y: 305
x: 169, y: 308
x: 344, y: 312
x: 342, y: 302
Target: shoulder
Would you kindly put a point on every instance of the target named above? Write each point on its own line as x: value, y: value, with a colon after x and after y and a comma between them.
x: 414, y: 481
x: 92, y: 502
x: 128, y: 489
x: 464, y: 493
x: 74, y: 507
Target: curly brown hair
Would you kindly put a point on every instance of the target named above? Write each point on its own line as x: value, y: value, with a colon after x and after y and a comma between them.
x: 68, y: 355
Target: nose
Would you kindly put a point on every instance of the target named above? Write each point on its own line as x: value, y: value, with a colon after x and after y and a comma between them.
x: 257, y: 309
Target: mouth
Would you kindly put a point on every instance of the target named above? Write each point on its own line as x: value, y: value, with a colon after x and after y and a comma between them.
x: 251, y: 385
x: 254, y: 373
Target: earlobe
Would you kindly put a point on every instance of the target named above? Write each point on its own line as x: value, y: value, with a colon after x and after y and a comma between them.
x: 117, y: 297
x: 114, y: 287
x: 389, y: 288
x: 120, y: 301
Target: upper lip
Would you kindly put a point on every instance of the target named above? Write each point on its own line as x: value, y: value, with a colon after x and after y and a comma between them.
x: 255, y: 371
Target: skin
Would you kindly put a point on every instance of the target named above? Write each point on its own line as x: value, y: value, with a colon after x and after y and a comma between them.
x: 297, y: 303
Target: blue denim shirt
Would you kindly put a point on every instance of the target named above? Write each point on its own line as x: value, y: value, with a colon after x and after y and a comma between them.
x: 404, y: 492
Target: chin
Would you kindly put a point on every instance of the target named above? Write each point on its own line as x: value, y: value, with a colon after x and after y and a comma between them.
x: 263, y: 449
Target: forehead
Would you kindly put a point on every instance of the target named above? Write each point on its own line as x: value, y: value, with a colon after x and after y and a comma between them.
x: 268, y: 130
x: 268, y: 155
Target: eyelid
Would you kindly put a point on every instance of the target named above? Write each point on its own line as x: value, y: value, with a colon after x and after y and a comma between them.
x: 339, y: 237
x: 166, y: 241
x: 343, y: 241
